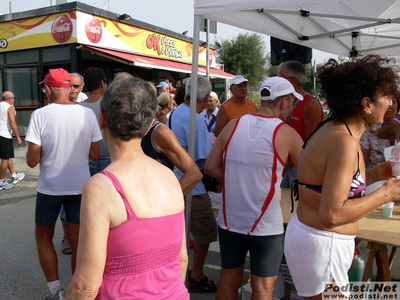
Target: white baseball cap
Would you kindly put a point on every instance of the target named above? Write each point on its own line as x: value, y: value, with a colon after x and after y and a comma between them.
x: 237, y: 80
x: 275, y: 87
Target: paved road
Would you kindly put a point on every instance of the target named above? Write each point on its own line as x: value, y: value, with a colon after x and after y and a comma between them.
x: 20, y: 274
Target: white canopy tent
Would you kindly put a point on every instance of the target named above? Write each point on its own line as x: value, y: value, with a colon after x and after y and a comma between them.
x: 344, y: 27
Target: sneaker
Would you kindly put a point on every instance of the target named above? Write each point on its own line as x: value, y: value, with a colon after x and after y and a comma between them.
x: 5, y: 185
x: 60, y: 295
x: 17, y: 177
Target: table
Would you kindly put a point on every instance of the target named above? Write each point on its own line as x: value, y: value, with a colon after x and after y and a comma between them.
x: 377, y: 231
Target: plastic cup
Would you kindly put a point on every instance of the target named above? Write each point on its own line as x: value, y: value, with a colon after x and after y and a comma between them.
x: 396, y: 168
x: 387, y: 209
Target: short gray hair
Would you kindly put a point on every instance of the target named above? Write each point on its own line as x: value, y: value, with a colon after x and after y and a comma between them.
x: 77, y: 74
x: 203, y: 88
x: 295, y: 69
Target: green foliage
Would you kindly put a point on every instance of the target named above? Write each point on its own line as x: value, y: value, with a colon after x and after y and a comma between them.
x: 245, y: 55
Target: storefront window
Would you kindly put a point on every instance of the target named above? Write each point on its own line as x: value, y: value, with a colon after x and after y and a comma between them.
x: 20, y: 57
x: 23, y: 82
x: 55, y: 54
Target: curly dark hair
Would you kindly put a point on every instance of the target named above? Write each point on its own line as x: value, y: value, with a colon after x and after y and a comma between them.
x: 93, y: 77
x: 129, y: 106
x: 346, y: 84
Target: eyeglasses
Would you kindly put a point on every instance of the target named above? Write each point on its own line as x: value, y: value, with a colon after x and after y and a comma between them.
x: 77, y: 86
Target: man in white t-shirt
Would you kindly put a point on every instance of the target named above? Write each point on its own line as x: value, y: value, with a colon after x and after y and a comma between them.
x: 61, y: 136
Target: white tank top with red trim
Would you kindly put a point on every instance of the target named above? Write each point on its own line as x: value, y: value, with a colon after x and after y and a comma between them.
x: 252, y: 177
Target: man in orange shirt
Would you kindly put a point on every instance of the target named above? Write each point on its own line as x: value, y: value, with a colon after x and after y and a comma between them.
x: 237, y: 106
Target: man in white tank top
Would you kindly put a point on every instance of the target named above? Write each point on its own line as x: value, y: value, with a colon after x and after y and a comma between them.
x: 7, y: 125
x: 248, y: 158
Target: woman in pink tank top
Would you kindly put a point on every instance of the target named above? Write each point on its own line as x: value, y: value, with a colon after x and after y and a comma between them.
x: 132, y: 237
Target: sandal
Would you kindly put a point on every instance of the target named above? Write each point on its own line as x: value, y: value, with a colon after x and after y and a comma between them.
x: 203, y: 286
x: 66, y: 247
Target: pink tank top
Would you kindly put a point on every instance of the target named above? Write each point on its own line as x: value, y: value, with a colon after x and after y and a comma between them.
x: 143, y: 256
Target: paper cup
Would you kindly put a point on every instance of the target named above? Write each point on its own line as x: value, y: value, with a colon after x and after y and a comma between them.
x: 396, y: 169
x: 387, y: 209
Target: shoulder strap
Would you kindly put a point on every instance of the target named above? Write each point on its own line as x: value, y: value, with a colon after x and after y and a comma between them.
x: 120, y: 190
x: 292, y: 110
x: 211, y: 123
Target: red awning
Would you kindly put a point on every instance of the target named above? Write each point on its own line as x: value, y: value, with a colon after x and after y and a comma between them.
x: 154, y: 63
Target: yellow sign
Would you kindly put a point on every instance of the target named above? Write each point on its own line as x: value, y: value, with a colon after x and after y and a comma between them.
x: 87, y: 29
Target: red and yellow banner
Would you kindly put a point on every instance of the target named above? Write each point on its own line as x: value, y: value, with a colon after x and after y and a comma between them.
x: 87, y: 29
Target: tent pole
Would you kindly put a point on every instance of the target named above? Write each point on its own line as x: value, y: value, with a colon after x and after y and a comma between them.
x: 208, y: 49
x: 192, y: 127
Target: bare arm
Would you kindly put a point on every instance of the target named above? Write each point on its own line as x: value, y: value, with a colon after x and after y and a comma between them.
x: 33, y: 155
x: 13, y: 123
x: 214, y: 163
x: 220, y: 121
x: 163, y: 118
x: 312, y: 116
x: 335, y: 208
x: 94, y: 152
x: 92, y: 246
x: 380, y: 172
x: 165, y: 141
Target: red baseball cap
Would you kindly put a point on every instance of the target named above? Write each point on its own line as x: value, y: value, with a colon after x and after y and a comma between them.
x: 58, y: 78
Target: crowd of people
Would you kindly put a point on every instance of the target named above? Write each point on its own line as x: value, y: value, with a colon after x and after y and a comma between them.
x: 114, y: 165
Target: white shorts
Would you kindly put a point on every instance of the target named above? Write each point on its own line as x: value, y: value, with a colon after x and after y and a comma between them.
x: 317, y: 257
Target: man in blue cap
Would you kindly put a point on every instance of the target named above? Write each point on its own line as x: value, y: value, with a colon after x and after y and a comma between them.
x: 162, y: 87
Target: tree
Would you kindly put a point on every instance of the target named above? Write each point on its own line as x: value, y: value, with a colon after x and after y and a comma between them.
x: 309, y: 86
x: 245, y: 55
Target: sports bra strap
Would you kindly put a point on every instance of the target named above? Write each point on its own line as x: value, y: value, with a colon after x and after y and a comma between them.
x: 347, y: 127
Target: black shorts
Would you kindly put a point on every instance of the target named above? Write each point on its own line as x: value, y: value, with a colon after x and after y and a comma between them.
x: 48, y: 207
x: 266, y: 252
x: 6, y: 148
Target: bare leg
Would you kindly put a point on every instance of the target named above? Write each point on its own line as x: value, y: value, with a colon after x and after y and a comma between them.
x: 199, y: 257
x: 73, y: 235
x: 263, y: 287
x: 47, y: 254
x: 11, y: 166
x: 65, y: 229
x: 229, y: 283
x: 3, y: 168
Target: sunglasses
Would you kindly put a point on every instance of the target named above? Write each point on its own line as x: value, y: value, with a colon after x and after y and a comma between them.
x: 77, y: 86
